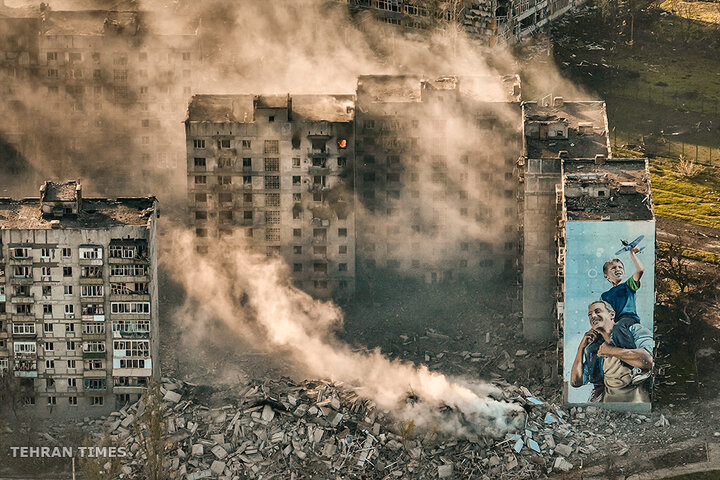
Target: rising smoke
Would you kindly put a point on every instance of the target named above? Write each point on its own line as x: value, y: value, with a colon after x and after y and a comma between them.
x: 256, y: 46
x: 252, y: 296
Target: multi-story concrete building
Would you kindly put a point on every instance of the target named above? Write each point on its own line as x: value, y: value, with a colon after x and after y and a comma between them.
x: 492, y: 21
x: 554, y: 130
x: 427, y: 168
x: 78, y: 82
x: 280, y: 168
x: 78, y: 299
x: 436, y: 180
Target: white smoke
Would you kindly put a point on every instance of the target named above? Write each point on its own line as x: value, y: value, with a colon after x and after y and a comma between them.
x: 251, y: 294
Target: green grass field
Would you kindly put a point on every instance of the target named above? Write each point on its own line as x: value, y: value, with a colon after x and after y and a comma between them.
x: 663, y: 98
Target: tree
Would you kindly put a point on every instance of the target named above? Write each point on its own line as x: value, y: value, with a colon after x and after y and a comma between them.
x: 150, y: 428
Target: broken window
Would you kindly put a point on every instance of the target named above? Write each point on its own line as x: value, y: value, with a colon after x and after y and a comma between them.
x: 223, y: 144
x: 393, y: 177
x: 201, y: 215
x: 272, y: 217
x: 297, y: 249
x: 225, y: 216
x: 199, y: 162
x: 320, y: 234
x: 342, y: 232
x: 247, y: 180
x: 247, y: 215
x: 201, y: 232
x: 225, y: 180
x: 272, y: 234
x: 393, y: 159
x: 225, y: 197
x: 369, y: 177
x: 272, y: 146
x: 342, y: 249
x: 320, y: 267
x: 341, y: 162
x: 246, y: 144
x: 200, y: 179
x: 297, y: 232
x: 272, y: 164
x: 199, y: 143
x: 319, y: 180
x: 272, y: 182
x: 320, y: 250
x: 247, y: 163
x: 320, y: 283
x: 247, y: 197
x: 272, y: 199
x: 297, y: 267
x: 342, y: 267
x: 296, y: 180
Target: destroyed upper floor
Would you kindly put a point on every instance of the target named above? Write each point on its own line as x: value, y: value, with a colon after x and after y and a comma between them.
x: 567, y: 129
x: 61, y: 205
x: 271, y: 108
x: 446, y: 89
x: 602, y: 189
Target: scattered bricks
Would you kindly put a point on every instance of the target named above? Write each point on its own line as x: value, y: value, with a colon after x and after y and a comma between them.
x: 199, y: 475
x: 197, y: 450
x: 301, y: 410
x: 329, y: 449
x: 268, y: 413
x: 219, y: 452
x: 217, y: 467
x: 445, y: 471
x: 171, y: 396
x: 218, y: 438
x: 564, y: 450
x: 127, y: 421
x: 562, y: 465
x: 334, y: 418
x: 550, y: 441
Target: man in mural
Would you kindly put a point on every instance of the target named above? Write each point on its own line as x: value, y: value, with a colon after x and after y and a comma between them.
x: 621, y: 297
x: 625, y: 356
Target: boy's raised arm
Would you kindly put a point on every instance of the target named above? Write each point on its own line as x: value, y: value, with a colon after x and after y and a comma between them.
x: 639, y: 270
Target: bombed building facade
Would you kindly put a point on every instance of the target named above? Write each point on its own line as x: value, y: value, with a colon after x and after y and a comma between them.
x: 378, y: 181
x: 434, y: 172
x: 73, y: 80
x: 78, y: 299
x: 494, y: 22
x: 280, y: 169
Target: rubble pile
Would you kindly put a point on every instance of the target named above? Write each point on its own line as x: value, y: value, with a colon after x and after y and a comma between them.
x: 318, y: 429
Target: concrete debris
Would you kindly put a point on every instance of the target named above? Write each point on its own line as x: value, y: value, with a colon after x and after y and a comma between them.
x: 327, y: 430
x: 562, y: 465
x: 171, y: 396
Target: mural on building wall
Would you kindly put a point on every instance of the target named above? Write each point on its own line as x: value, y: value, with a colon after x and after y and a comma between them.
x: 609, y: 300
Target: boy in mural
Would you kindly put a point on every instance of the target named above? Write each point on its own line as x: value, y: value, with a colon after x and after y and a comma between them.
x: 621, y: 297
x: 623, y: 348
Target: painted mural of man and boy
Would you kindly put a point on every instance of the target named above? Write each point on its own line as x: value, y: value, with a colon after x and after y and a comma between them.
x: 616, y: 354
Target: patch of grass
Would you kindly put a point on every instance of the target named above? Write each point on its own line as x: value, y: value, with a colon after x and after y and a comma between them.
x: 708, y: 12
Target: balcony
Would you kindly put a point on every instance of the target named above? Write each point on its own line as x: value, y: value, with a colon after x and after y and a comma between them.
x: 318, y: 152
x: 22, y: 299
x: 25, y: 365
x: 24, y: 330
x: 91, y: 281
x: 99, y: 373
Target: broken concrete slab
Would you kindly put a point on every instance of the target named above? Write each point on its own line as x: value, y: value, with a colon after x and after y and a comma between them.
x: 171, y: 396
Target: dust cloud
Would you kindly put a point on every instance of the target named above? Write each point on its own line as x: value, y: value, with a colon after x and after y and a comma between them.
x: 251, y: 295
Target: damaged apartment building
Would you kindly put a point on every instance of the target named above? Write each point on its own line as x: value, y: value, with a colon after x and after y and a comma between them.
x: 437, y: 179
x: 490, y: 21
x: 378, y: 181
x: 574, y: 193
x: 75, y: 82
x: 78, y: 299
x: 280, y: 169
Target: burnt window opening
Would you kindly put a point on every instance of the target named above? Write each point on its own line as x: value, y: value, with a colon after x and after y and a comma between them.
x: 295, y: 141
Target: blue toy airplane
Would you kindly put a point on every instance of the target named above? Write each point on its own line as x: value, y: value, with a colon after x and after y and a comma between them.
x: 627, y: 246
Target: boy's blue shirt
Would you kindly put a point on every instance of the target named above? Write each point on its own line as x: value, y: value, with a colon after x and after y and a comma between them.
x: 622, y: 298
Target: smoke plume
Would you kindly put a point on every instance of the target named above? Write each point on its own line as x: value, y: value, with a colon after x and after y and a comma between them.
x: 252, y: 296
